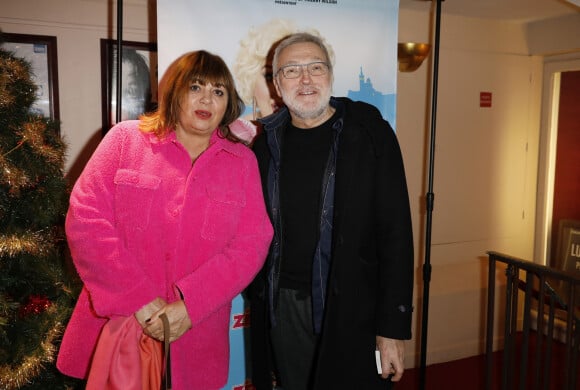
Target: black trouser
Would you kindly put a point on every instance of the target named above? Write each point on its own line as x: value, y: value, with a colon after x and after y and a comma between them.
x: 293, y: 340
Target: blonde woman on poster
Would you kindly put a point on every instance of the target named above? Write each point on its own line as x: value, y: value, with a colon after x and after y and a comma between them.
x: 253, y: 67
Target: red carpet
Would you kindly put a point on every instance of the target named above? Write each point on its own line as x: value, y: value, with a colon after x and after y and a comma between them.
x: 469, y: 373
x: 463, y: 374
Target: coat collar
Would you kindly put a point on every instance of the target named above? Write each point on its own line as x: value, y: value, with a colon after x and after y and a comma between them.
x: 216, y: 141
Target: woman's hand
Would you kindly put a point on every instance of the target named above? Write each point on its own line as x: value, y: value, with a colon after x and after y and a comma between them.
x: 144, y: 314
x: 179, y: 322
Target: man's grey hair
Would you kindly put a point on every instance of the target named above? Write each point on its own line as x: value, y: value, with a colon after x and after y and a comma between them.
x: 301, y: 37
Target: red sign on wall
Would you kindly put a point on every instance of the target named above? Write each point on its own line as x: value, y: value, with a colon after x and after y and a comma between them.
x: 485, y: 99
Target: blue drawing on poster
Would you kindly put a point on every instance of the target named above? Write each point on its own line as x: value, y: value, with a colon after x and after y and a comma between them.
x: 386, y: 103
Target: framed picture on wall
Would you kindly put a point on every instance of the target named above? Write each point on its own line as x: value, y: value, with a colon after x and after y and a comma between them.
x: 138, y: 79
x: 41, y: 53
x: 568, y: 251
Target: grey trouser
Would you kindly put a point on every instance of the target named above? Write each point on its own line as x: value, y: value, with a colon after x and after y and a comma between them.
x: 293, y: 340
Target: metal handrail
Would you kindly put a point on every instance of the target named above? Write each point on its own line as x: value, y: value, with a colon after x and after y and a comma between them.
x: 532, y: 279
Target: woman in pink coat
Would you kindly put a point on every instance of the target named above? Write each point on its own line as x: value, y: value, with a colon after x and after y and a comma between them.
x: 168, y: 217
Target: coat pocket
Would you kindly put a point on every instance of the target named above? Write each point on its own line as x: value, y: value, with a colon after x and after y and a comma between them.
x: 222, y: 212
x: 134, y: 192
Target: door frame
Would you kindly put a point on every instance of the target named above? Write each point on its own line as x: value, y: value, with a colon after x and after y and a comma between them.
x: 553, y: 67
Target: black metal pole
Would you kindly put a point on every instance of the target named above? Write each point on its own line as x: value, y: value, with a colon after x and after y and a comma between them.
x: 430, y: 197
x: 119, y: 63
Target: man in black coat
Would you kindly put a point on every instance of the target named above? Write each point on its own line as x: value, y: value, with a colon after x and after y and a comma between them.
x: 338, y: 282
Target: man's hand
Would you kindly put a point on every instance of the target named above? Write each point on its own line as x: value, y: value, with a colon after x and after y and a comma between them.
x: 179, y: 322
x: 392, y: 357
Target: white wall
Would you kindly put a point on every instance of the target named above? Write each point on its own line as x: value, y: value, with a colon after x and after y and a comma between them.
x: 486, y: 158
x: 485, y: 168
x: 563, y: 36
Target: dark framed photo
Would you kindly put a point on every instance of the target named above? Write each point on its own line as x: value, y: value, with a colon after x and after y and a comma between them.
x: 138, y: 79
x: 41, y: 52
x: 568, y: 251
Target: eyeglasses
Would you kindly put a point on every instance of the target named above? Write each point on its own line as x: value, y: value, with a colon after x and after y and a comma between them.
x: 294, y: 71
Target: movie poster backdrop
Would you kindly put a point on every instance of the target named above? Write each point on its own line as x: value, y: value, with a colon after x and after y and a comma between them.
x: 361, y: 36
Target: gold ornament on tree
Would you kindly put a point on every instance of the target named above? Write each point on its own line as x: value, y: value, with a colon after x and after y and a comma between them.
x: 33, y: 243
x: 16, y: 376
x: 12, y: 70
x: 33, y: 135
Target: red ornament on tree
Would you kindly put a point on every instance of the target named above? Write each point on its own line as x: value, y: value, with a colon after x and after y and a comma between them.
x: 36, y: 305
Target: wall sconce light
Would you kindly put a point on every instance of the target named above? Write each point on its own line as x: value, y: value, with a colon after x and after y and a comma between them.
x: 411, y: 55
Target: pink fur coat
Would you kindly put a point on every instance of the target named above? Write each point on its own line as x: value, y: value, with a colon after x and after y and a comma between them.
x: 143, y: 223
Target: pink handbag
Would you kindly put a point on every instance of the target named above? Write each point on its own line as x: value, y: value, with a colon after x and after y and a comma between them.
x: 125, y: 358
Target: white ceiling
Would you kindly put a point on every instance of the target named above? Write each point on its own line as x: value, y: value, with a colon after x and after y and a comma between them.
x: 508, y: 10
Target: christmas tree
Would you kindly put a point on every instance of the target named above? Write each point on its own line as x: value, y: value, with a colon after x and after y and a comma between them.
x: 38, y: 286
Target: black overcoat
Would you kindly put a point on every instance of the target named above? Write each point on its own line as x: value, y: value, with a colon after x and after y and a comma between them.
x: 370, y: 287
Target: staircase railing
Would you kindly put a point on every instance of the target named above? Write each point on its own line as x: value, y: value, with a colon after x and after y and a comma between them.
x: 527, y: 359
